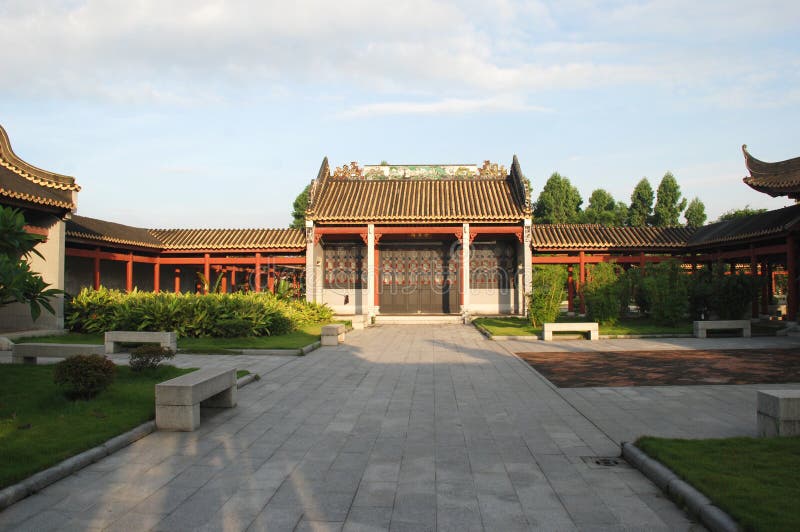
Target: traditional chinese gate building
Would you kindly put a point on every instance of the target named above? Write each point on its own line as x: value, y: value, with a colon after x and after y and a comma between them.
x: 419, y: 239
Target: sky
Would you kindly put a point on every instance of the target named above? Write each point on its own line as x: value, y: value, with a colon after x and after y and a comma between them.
x: 212, y: 113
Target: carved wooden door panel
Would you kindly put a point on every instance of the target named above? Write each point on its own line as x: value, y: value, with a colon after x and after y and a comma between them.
x: 419, y: 279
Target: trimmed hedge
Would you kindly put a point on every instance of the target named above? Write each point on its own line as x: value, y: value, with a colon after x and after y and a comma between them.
x: 190, y: 315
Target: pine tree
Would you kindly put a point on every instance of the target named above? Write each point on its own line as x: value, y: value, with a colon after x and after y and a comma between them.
x: 558, y: 203
x: 695, y: 213
x: 669, y: 203
x: 641, y: 209
x: 299, y: 209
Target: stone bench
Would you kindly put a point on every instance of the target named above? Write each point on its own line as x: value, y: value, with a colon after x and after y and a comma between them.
x: 332, y: 334
x: 778, y: 413
x: 29, y: 353
x: 178, y: 400
x: 701, y: 328
x: 164, y: 338
x: 584, y: 327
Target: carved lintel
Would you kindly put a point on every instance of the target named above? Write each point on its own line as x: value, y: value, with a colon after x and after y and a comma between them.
x: 472, y: 237
x: 377, y: 238
x: 459, y: 234
x: 364, y: 237
x: 317, y: 237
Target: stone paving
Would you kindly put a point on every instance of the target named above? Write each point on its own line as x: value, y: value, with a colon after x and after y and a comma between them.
x: 700, y: 411
x: 402, y: 428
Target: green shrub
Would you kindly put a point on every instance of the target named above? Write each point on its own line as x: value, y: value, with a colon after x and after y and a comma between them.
x: 149, y: 356
x: 191, y: 315
x: 701, y: 294
x: 602, y: 293
x: 666, y: 289
x: 547, y: 293
x: 84, y: 376
x: 630, y: 289
x: 733, y: 294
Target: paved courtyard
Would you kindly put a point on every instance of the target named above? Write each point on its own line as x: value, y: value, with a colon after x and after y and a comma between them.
x: 700, y: 411
x: 402, y: 428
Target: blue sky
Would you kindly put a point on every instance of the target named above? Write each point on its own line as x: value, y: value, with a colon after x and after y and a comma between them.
x: 210, y: 113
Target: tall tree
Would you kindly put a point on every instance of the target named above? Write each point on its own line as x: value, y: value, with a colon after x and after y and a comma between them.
x: 558, y: 203
x: 18, y: 284
x: 299, y: 209
x: 603, y: 209
x: 734, y: 214
x: 641, y: 209
x: 669, y: 203
x: 695, y: 213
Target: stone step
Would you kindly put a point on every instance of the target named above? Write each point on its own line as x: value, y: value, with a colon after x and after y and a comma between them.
x: 417, y: 319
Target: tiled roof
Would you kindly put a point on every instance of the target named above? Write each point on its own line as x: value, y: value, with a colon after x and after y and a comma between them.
x: 776, y: 179
x: 756, y: 226
x: 230, y: 238
x: 81, y: 227
x: 24, y: 182
x: 592, y: 236
x: 459, y: 197
x: 92, y: 229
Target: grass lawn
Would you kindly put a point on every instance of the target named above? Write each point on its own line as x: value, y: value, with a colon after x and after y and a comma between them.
x: 303, y: 336
x: 754, y: 480
x: 39, y: 427
x: 511, y: 326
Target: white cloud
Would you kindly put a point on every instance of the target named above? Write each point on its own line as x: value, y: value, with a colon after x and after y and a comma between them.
x: 189, y: 52
x: 446, y: 106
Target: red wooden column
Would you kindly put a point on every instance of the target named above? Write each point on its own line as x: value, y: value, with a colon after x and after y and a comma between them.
x: 129, y: 273
x: 157, y: 275
x: 97, y: 269
x: 177, y: 280
x: 258, y: 272
x: 224, y: 282
x: 271, y: 278
x: 377, y: 278
x: 791, y: 273
x: 765, y: 287
x: 641, y: 261
x: 570, y: 289
x: 582, y: 277
x: 207, y: 270
x: 233, y: 277
x: 754, y: 274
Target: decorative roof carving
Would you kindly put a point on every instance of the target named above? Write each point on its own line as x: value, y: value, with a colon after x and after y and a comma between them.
x: 348, y: 172
x: 491, y: 170
x: 776, y: 179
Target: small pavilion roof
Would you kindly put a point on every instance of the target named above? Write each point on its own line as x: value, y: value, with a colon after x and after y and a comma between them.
x: 594, y: 236
x: 419, y: 194
x: 776, y: 179
x: 23, y: 182
x: 102, y: 231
